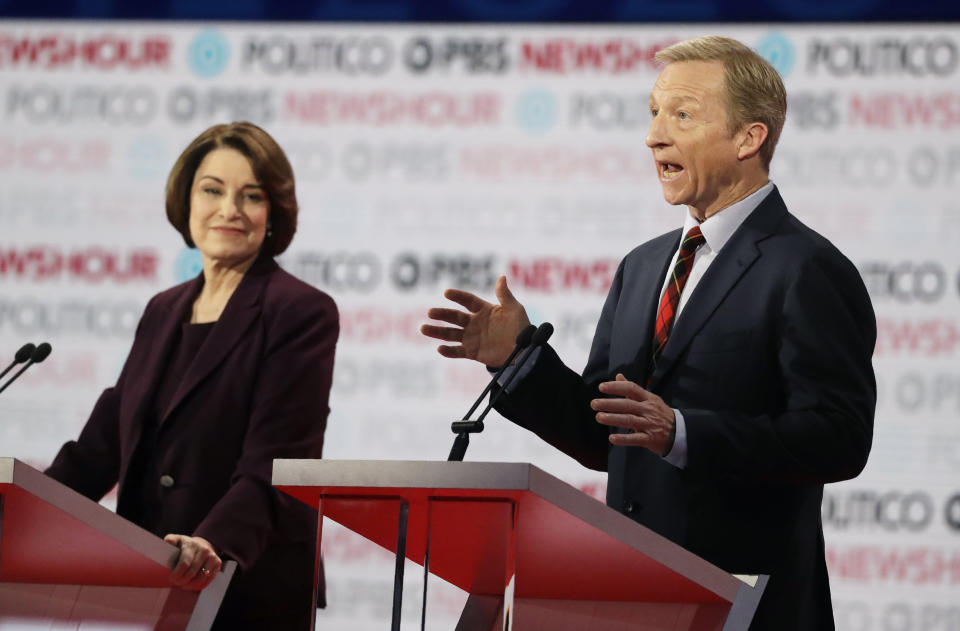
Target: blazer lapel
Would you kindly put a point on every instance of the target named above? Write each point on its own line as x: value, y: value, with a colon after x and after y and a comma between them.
x: 739, y: 253
x: 635, y: 333
x: 152, y: 357
x: 240, y: 313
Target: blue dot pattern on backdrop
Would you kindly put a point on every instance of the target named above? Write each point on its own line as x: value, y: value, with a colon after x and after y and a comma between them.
x: 147, y: 158
x: 537, y: 110
x: 208, y: 54
x: 188, y: 265
x: 778, y: 50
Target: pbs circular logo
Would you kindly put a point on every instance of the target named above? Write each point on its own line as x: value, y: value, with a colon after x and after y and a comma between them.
x: 778, y: 50
x: 209, y: 54
x: 537, y: 111
x: 188, y: 265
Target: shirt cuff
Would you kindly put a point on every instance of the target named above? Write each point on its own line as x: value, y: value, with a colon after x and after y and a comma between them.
x: 522, y: 371
x: 677, y: 456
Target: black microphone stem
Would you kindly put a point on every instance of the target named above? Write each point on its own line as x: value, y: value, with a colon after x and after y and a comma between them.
x: 22, y: 355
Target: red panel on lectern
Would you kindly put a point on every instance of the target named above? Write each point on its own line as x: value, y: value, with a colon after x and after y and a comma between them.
x: 605, y: 567
x: 42, y: 544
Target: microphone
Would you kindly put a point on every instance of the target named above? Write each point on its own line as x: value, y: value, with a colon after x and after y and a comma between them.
x: 523, y: 341
x: 37, y: 355
x: 464, y: 428
x: 22, y: 355
x: 539, y: 339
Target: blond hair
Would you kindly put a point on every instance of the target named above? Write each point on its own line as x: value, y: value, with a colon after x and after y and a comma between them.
x: 754, y: 90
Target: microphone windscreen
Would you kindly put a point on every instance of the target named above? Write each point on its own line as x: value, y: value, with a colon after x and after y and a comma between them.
x: 40, y: 353
x: 544, y: 331
x: 25, y: 352
x: 525, y: 336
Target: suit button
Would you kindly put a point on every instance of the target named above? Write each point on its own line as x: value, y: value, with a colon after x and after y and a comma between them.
x: 166, y: 481
x: 629, y: 507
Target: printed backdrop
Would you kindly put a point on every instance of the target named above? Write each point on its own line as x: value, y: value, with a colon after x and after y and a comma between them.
x: 435, y: 156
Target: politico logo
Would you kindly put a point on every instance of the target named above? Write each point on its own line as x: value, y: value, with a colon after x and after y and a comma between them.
x: 916, y: 56
x: 610, y: 111
x: 892, y: 511
x: 351, y: 56
x: 905, y: 281
x: 79, y: 104
x: 100, y: 318
x: 60, y: 51
x: 90, y: 265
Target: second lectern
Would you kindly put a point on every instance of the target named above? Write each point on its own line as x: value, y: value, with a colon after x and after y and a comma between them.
x: 532, y: 551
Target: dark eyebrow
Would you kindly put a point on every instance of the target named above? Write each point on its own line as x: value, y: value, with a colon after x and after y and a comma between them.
x: 219, y: 181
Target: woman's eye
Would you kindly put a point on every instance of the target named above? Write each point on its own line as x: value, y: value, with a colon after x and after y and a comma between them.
x: 211, y: 191
x: 255, y: 197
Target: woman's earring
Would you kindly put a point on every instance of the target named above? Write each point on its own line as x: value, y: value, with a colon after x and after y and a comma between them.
x: 269, y: 230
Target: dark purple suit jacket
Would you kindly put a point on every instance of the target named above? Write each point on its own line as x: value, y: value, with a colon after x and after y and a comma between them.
x: 257, y: 390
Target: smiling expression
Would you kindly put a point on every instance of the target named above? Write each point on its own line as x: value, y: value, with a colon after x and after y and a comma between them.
x: 228, y: 209
x: 696, y: 156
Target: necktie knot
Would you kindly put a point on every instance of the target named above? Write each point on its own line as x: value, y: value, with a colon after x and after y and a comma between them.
x: 693, y: 240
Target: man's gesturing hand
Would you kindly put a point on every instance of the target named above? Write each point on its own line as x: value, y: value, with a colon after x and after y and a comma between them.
x: 485, y: 332
x: 651, y: 420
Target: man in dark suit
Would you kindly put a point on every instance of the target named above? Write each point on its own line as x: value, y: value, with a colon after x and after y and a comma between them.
x: 730, y: 375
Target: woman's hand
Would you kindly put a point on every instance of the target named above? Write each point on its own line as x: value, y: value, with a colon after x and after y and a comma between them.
x: 198, y: 562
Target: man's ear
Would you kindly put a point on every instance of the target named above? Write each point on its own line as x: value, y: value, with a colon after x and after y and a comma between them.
x: 751, y: 139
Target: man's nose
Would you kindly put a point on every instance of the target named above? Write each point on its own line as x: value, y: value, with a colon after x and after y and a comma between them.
x: 656, y: 134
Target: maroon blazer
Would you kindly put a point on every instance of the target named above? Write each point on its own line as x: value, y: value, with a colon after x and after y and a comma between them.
x: 257, y: 390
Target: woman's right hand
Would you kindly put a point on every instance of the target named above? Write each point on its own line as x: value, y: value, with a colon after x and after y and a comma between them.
x: 197, y: 564
x: 486, y: 332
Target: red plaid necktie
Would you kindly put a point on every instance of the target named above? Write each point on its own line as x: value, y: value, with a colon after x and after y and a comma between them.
x: 671, y: 297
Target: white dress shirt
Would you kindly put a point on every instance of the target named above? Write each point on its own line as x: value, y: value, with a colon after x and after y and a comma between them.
x: 717, y: 230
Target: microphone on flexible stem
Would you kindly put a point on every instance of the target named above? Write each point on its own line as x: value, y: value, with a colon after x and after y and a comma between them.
x: 464, y: 428
x: 539, y: 339
x: 37, y: 355
x: 22, y: 355
x: 523, y: 341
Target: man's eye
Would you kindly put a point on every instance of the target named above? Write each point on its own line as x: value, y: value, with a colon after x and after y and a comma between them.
x: 654, y: 112
x: 683, y: 115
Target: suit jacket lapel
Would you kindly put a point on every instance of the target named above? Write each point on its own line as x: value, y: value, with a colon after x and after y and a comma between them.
x: 644, y: 296
x: 240, y: 313
x: 736, y: 257
x: 151, y: 358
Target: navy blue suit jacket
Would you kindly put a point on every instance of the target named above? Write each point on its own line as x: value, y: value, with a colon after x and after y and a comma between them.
x: 257, y: 390
x: 770, y: 364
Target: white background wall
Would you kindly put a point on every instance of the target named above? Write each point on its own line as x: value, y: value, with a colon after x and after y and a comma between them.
x: 436, y: 156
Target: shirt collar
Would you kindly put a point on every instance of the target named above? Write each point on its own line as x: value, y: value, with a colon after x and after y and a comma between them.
x: 718, y: 228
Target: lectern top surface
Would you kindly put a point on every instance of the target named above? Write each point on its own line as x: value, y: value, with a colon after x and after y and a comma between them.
x: 468, y: 512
